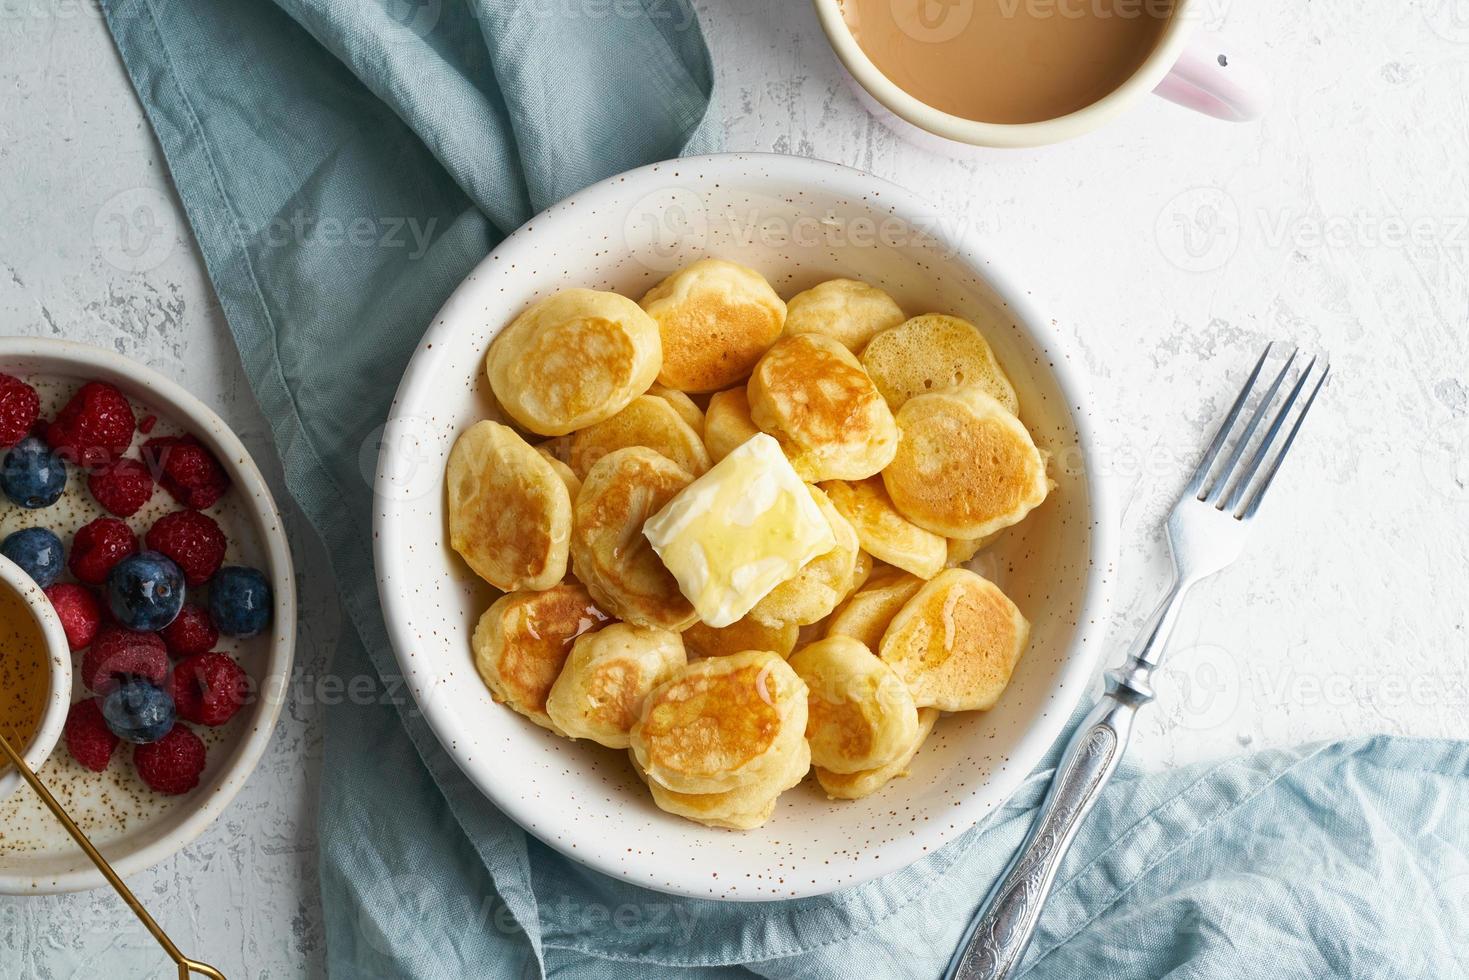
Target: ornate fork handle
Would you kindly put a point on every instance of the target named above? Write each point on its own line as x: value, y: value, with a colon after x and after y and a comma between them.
x: 997, y: 939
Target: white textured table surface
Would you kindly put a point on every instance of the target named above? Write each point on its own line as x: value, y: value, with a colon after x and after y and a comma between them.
x: 1168, y: 249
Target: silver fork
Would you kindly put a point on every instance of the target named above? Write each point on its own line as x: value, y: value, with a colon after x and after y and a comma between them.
x: 1206, y: 533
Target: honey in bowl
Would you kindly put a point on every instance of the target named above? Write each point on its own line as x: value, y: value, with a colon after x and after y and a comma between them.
x: 25, y: 674
x: 1008, y: 61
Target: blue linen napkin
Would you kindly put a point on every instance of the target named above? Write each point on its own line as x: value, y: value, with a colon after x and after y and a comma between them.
x: 344, y: 163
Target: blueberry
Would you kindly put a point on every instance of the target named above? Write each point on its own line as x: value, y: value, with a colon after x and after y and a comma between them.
x: 145, y: 591
x: 38, y: 552
x: 240, y: 601
x: 33, y: 476
x: 138, y: 711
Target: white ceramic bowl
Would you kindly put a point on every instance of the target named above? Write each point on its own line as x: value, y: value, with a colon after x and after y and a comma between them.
x: 13, y: 578
x: 799, y: 222
x: 156, y: 826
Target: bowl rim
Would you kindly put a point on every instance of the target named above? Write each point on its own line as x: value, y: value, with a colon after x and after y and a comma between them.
x: 973, y: 132
x: 1080, y: 657
x: 101, y: 364
x: 58, y: 653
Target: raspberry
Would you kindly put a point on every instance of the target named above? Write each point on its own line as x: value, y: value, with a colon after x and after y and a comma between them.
x: 121, y: 487
x: 192, y: 540
x: 118, y: 652
x: 98, y: 546
x: 187, y: 470
x: 95, y: 427
x: 79, y: 611
x: 19, y: 406
x: 209, y: 688
x: 173, y: 764
x: 192, y: 631
x: 88, y: 738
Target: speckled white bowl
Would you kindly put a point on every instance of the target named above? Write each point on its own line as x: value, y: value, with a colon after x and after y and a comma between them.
x: 799, y: 222
x: 134, y: 827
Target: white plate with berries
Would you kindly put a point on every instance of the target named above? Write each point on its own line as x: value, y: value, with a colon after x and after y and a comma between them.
x: 143, y: 517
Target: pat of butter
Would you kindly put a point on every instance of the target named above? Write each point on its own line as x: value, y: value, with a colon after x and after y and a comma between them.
x: 738, y: 531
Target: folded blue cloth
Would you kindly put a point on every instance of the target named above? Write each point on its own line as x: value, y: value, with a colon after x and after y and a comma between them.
x: 344, y: 163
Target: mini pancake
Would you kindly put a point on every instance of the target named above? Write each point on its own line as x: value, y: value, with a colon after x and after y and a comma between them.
x: 686, y: 407
x: 727, y: 423
x: 846, y: 310
x: 935, y: 353
x: 573, y: 359
x: 608, y: 551
x: 884, y: 532
x: 509, y: 511
x: 860, y: 714
x: 721, y: 724
x: 742, y: 809
x: 821, y: 584
x: 523, y: 639
x: 647, y: 421
x: 862, y: 570
x: 568, y: 477
x: 855, y: 785
x: 956, y: 642
x: 744, y: 634
x: 962, y: 550
x: 966, y: 467
x: 865, y: 616
x: 812, y: 394
x: 606, y: 677
x: 716, y: 318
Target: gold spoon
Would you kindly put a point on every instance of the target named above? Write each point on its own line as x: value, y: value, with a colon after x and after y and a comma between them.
x: 186, y: 966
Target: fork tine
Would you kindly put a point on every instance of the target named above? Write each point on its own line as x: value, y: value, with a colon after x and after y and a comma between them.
x: 1247, y: 474
x: 1217, y: 490
x: 1269, y: 477
x: 1202, y: 473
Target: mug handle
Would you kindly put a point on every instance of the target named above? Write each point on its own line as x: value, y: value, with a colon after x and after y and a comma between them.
x: 1208, y: 79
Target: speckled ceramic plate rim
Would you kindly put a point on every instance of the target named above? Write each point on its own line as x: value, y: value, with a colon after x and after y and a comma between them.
x: 1080, y: 656
x: 65, y: 357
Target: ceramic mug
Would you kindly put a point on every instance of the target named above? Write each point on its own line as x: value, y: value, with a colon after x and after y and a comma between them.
x: 57, y: 652
x: 1193, y: 68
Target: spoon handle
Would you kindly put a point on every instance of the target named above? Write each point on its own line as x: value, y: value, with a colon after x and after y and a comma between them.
x: 186, y: 966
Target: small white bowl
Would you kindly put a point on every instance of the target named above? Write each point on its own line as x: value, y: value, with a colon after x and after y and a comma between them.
x: 157, y: 826
x: 58, y: 655
x: 799, y: 222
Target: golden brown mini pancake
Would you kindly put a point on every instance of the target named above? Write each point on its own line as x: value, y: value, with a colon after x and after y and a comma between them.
x: 844, y: 309
x: 568, y: 477
x: 741, y: 809
x: 509, y: 511
x: 956, y: 642
x: 686, y: 407
x: 855, y: 785
x: 811, y: 393
x: 608, y: 551
x: 573, y: 359
x: 716, y: 318
x: 821, y: 584
x: 722, y: 723
x: 966, y: 467
x: 866, y: 614
x: 860, y: 714
x: 884, y: 532
x: 935, y: 353
x: 727, y: 423
x: 744, y: 634
x: 523, y: 639
x: 647, y: 421
x: 604, y: 680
